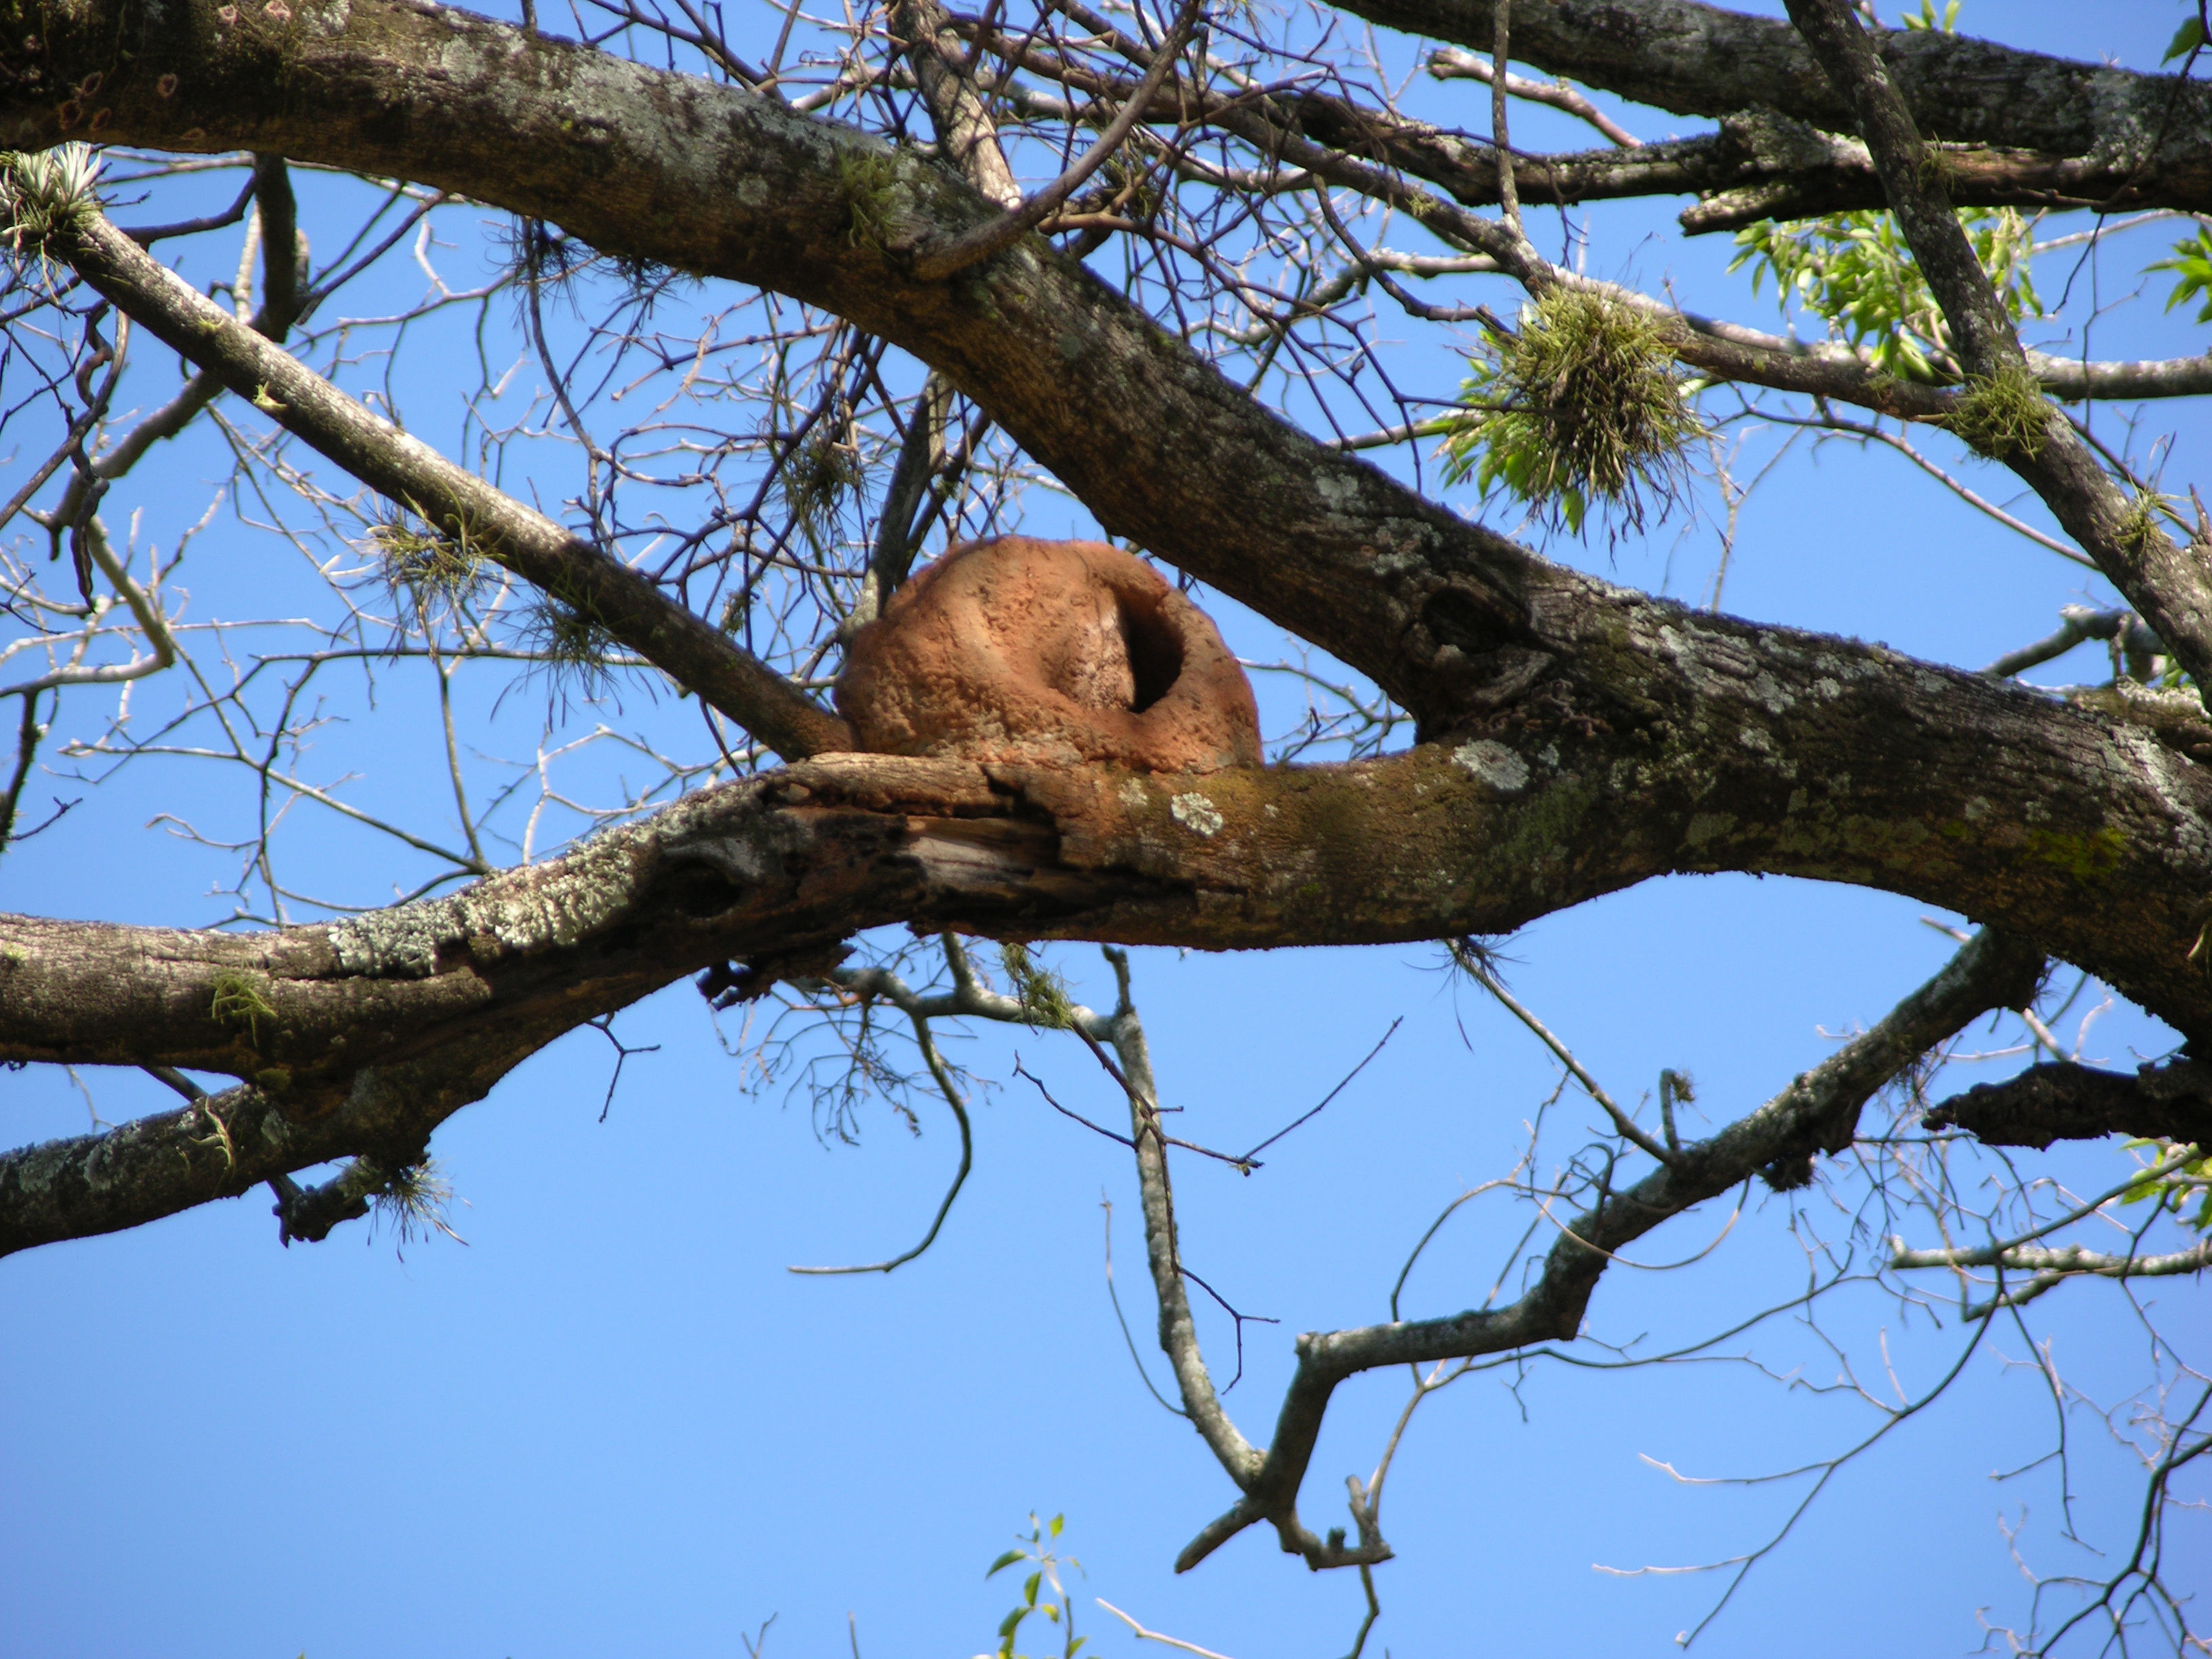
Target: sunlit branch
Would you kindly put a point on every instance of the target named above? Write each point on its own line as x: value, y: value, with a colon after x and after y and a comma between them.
x: 1449, y: 64
x: 1692, y: 58
x: 2051, y: 1266
x: 943, y: 259
x: 2079, y: 623
x: 463, y: 507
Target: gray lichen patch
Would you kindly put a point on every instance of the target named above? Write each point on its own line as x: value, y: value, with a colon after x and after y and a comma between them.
x: 510, y: 915
x: 1494, y: 764
x: 401, y: 943
x: 555, y: 905
x: 1196, y: 814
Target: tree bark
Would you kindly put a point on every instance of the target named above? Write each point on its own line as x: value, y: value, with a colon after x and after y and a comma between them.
x: 1591, y: 737
x: 1790, y: 757
x: 1701, y: 60
x: 2064, y: 1101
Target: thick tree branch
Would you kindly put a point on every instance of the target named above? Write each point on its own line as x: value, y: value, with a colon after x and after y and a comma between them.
x: 938, y: 260
x: 965, y: 132
x: 1761, y: 164
x: 1724, y: 350
x: 1437, y: 612
x: 2064, y: 1101
x: 2170, y: 585
x: 359, y: 1038
x: 1443, y: 615
x: 1702, y: 60
x: 2090, y: 837
x: 712, y: 178
x: 2069, y: 379
x: 223, y: 1145
x: 1912, y: 178
x: 1603, y: 736
x: 1818, y: 1112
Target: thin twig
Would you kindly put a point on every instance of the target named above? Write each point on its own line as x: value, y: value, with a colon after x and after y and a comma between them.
x: 1115, y: 1296
x: 1009, y: 228
x: 1449, y: 63
x: 1144, y: 1635
x: 1325, y: 1099
x: 1489, y: 981
x: 937, y: 1070
x: 1509, y: 190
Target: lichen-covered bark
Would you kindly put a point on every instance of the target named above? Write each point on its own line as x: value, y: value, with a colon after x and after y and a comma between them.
x: 711, y: 178
x: 2164, y: 580
x: 1721, y: 746
x: 1760, y: 164
x: 1702, y: 60
x: 715, y: 179
x: 1591, y: 737
x: 1762, y: 750
x: 744, y: 869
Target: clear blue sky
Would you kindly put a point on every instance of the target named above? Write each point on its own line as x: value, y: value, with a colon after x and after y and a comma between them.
x: 613, y: 1424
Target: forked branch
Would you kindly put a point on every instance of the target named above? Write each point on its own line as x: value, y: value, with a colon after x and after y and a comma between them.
x: 2003, y: 414
x: 484, y: 522
x: 1817, y: 1113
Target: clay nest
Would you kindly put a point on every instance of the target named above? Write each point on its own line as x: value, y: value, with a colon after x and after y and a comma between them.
x: 1018, y: 649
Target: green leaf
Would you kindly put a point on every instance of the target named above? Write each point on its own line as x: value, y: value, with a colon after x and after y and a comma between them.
x: 2186, y: 40
x: 1007, y: 1560
x: 1029, y: 1588
x: 2175, y: 1189
x: 2192, y: 263
x: 1928, y: 19
x: 1854, y: 272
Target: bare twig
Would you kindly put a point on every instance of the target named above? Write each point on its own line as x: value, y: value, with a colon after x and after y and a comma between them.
x: 1449, y: 63
x: 970, y: 247
x: 1144, y: 1635
x: 462, y: 506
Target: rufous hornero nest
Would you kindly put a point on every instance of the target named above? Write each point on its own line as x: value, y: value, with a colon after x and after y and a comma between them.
x: 1030, y: 651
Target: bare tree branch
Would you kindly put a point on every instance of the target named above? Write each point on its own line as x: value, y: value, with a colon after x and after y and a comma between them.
x: 2168, y: 583
x: 1696, y: 59
x: 1819, y: 1112
x: 484, y: 522
x: 1451, y: 65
